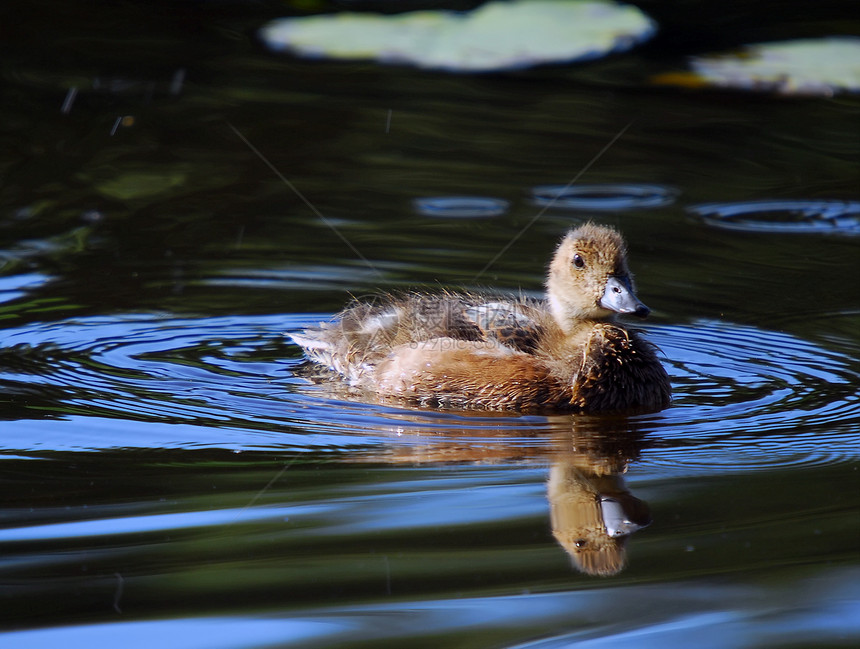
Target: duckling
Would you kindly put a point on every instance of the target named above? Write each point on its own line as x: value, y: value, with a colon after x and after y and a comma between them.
x: 472, y: 352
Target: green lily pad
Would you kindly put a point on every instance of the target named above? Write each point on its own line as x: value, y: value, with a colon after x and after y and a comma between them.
x: 495, y: 36
x: 815, y: 66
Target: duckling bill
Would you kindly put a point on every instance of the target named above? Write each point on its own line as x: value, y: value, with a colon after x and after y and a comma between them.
x: 473, y: 352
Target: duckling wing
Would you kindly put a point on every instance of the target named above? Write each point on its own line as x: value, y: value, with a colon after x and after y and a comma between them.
x: 359, y: 337
x: 366, y: 332
x: 514, y: 324
x: 442, y: 316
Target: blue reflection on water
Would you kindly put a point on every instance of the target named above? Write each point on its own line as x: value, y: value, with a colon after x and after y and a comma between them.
x: 155, y: 523
x: 819, y: 610
x: 200, y: 633
x: 13, y: 287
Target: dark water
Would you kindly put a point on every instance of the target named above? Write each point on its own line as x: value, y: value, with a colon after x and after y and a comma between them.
x: 167, y: 478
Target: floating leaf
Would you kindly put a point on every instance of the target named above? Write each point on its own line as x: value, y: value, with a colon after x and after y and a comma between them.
x: 495, y: 36
x: 822, y: 66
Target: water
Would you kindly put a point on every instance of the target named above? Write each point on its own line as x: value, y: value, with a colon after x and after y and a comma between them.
x: 167, y: 476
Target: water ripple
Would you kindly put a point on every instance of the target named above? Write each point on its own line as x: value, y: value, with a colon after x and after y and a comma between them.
x: 746, y: 397
x: 743, y: 396
x: 782, y: 216
x: 735, y: 373
x: 604, y: 197
x: 460, y: 206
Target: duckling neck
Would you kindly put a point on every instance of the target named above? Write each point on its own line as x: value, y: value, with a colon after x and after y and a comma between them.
x: 571, y: 319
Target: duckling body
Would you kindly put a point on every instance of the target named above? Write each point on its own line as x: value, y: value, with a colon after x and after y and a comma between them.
x: 473, y: 352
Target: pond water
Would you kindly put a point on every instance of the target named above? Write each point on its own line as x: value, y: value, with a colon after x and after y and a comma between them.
x: 176, y: 199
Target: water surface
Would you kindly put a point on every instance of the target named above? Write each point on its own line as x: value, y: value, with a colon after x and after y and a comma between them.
x: 168, y: 476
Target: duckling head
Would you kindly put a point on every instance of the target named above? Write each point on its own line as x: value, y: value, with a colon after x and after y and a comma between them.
x: 589, y: 279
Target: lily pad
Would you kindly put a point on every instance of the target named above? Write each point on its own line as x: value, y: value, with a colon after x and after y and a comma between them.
x: 495, y: 36
x: 820, y: 66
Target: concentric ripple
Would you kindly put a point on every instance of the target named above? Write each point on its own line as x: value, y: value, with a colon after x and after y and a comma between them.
x: 603, y: 197
x: 842, y: 217
x: 216, y: 382
x: 743, y: 396
x: 460, y: 206
x: 747, y: 397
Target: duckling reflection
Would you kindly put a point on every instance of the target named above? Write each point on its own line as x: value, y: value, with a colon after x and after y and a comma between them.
x: 592, y: 512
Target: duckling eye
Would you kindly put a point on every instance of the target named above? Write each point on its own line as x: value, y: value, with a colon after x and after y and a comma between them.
x: 578, y: 261
x: 580, y: 543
